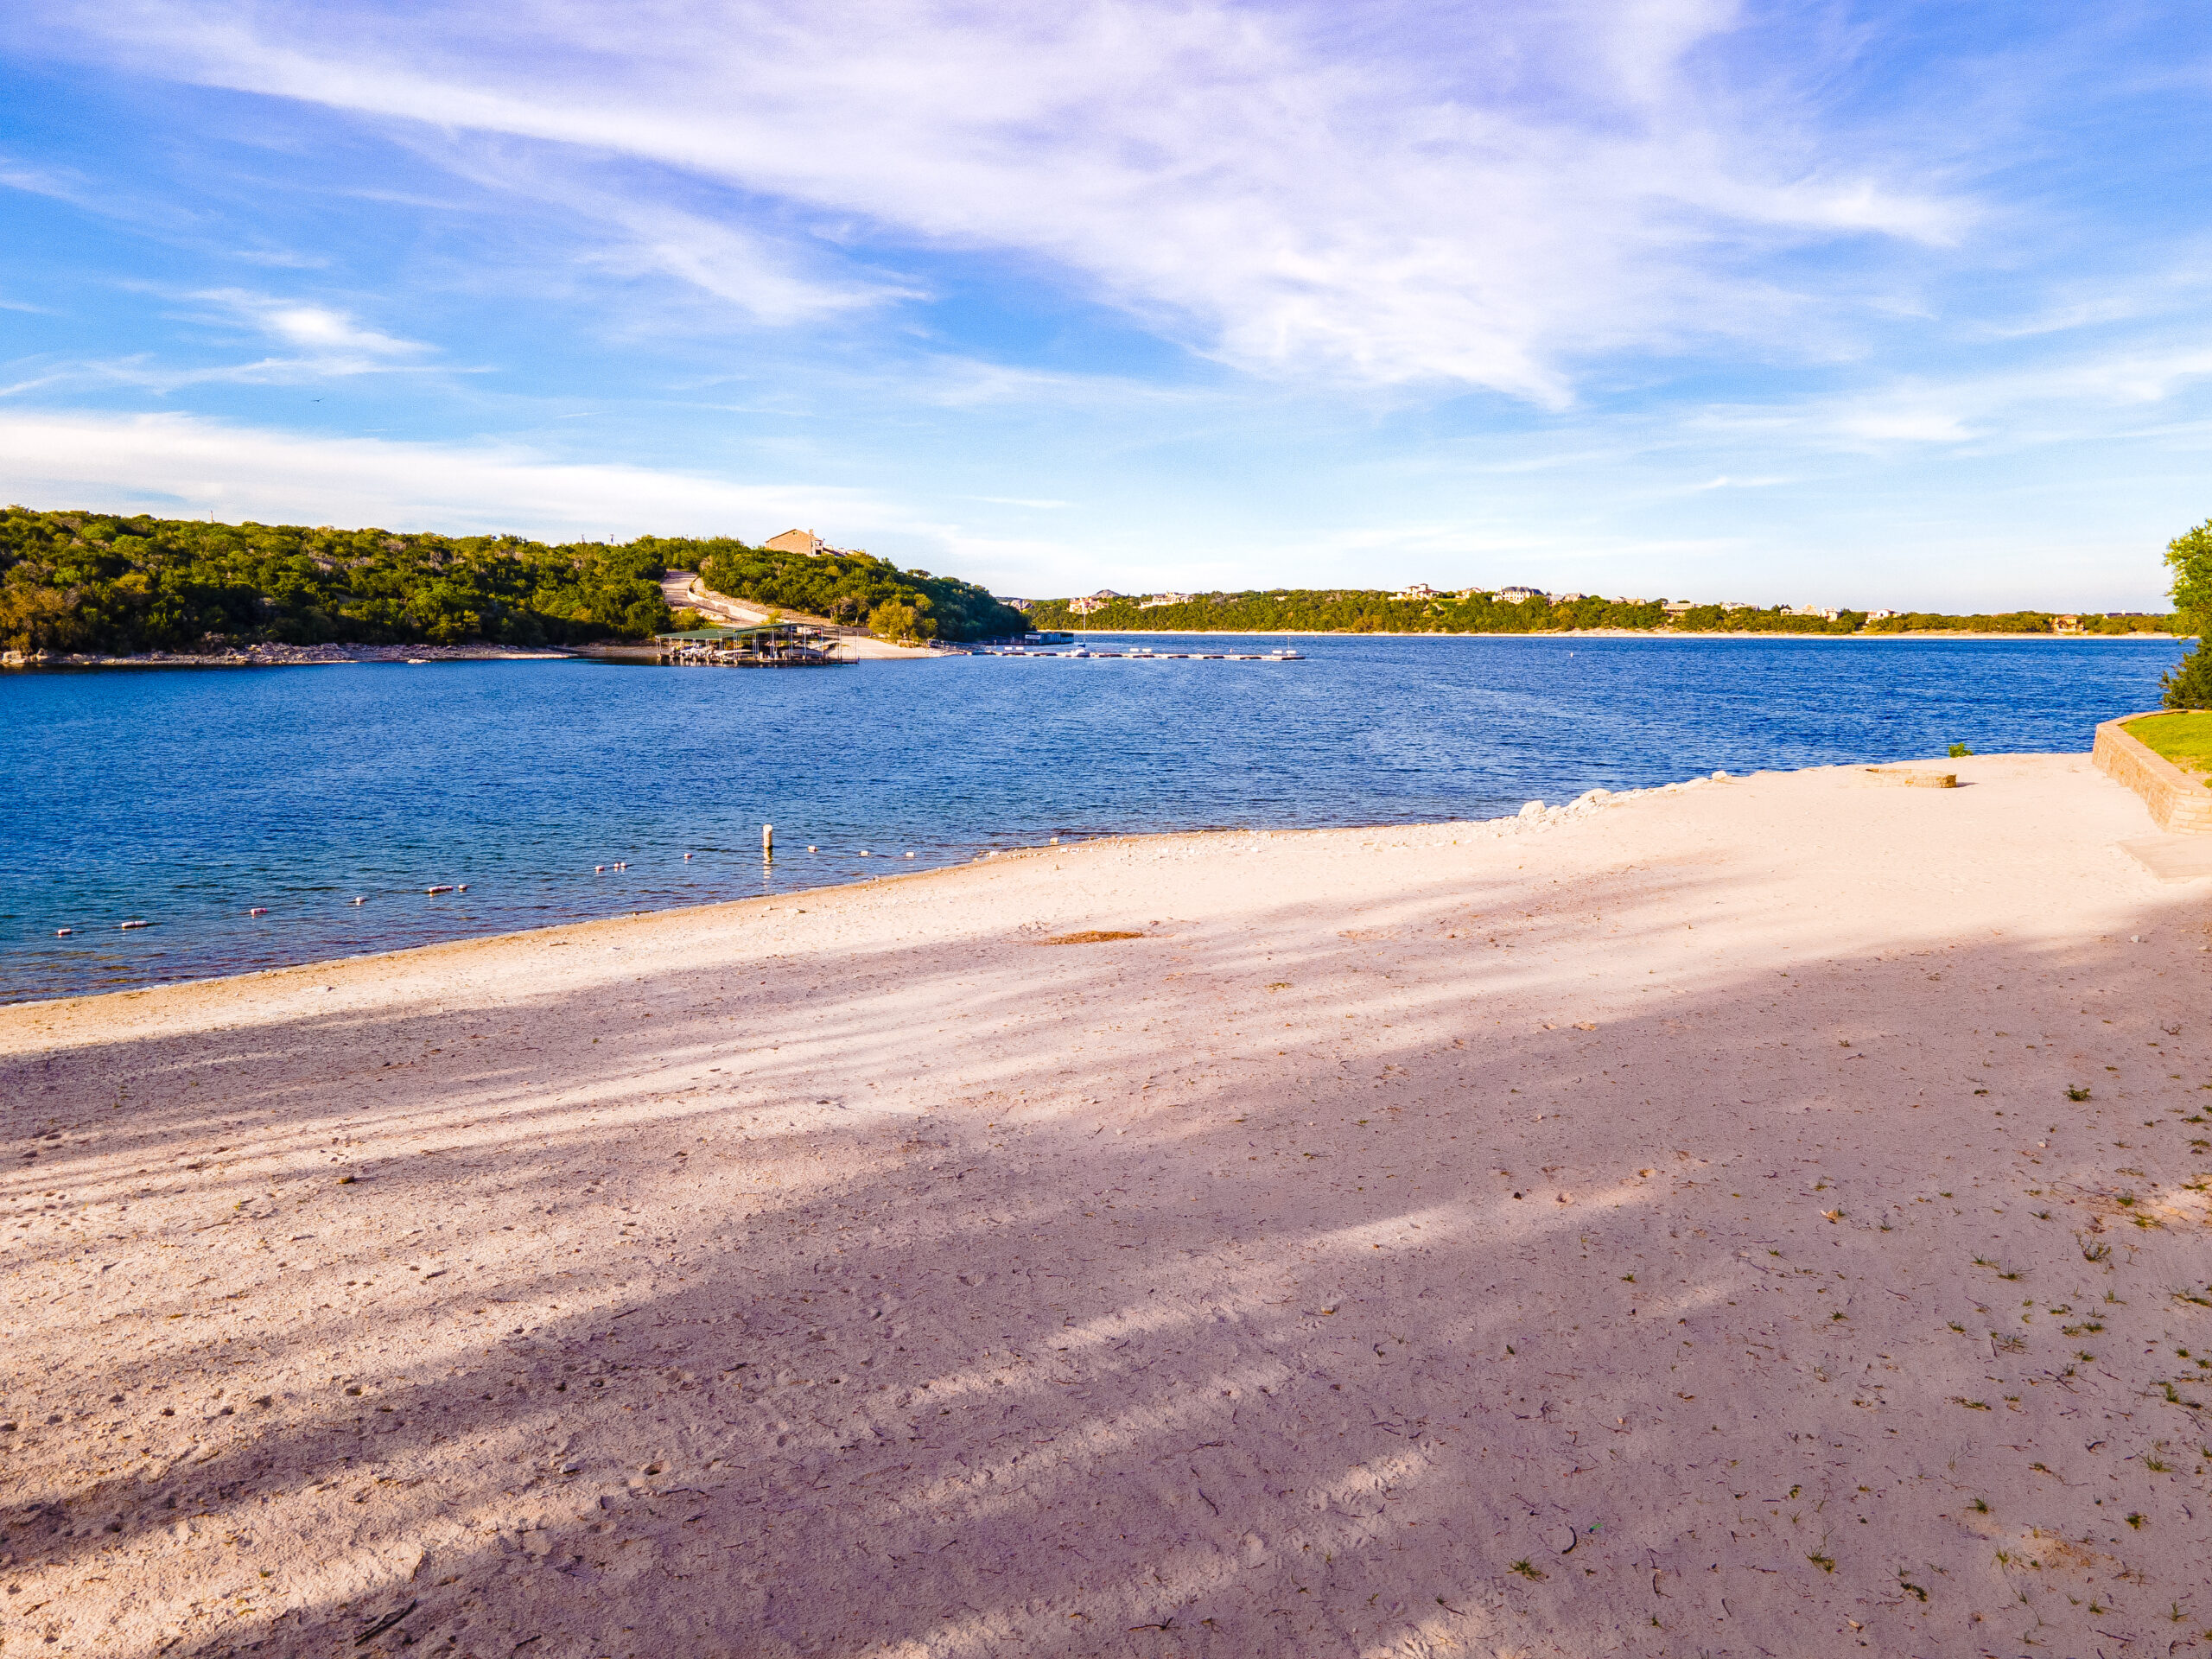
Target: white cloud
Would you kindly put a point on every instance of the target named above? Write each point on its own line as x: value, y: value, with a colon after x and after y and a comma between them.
x: 2069, y: 399
x: 322, y: 330
x: 1481, y: 196
x: 175, y: 463
x: 765, y: 283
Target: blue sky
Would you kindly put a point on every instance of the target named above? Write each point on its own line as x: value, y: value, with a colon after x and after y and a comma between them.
x: 1873, y: 304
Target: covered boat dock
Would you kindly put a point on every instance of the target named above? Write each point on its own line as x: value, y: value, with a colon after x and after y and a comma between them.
x: 768, y: 645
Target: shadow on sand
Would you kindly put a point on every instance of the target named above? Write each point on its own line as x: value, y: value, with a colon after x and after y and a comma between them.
x: 1715, y: 1330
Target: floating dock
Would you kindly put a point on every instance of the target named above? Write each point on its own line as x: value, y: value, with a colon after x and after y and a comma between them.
x: 1142, y: 653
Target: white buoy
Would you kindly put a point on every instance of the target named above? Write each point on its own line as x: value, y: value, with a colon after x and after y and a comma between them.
x: 127, y: 925
x: 258, y: 910
x: 863, y: 852
x: 910, y: 855
x: 361, y: 901
x: 810, y: 848
x: 463, y: 888
x: 599, y: 869
x: 63, y: 932
x: 687, y: 858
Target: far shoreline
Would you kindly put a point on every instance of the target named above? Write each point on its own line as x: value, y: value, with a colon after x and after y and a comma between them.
x: 1605, y: 633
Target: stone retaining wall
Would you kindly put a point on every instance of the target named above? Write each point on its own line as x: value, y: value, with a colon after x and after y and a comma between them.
x: 2179, y: 801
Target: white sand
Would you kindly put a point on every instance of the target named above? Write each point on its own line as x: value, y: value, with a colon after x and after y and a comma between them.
x: 1581, y: 1238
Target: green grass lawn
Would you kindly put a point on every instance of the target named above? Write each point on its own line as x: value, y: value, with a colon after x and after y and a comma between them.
x: 2183, y: 739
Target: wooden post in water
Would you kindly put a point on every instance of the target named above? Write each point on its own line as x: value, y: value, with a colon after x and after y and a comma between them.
x: 767, y: 840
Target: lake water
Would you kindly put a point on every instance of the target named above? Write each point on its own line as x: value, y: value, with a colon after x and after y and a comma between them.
x: 186, y: 798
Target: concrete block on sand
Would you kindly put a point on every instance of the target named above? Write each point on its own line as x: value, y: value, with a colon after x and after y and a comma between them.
x: 1759, y: 1219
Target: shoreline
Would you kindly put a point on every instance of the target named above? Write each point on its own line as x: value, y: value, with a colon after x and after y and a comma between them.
x: 1509, y: 824
x: 325, y: 656
x: 875, y: 649
x: 1362, y: 1240
x: 1614, y: 634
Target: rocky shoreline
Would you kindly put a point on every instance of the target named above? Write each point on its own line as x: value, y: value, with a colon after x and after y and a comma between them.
x: 266, y: 656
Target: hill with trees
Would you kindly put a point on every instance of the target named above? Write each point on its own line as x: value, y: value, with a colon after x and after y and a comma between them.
x: 118, y: 584
x: 851, y: 588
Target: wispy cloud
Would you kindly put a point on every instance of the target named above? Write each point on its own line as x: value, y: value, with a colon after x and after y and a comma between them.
x: 317, y: 341
x: 1405, y: 195
x: 2017, y: 407
x: 164, y: 462
x: 330, y: 335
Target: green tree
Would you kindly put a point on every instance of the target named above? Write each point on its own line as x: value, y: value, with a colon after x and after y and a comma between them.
x: 892, y: 621
x: 2190, y: 685
x: 2190, y: 556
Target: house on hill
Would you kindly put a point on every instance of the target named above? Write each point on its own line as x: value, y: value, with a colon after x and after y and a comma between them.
x: 796, y: 540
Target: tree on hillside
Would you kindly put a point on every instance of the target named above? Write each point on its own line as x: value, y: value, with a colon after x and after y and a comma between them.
x: 2190, y: 556
x: 892, y: 621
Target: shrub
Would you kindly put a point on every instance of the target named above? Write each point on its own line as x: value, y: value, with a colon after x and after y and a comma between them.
x: 2190, y: 685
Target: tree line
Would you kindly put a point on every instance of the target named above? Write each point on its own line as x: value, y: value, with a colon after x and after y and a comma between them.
x: 1353, y: 611
x: 117, y: 584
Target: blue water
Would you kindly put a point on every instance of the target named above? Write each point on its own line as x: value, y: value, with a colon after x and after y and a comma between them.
x: 184, y: 797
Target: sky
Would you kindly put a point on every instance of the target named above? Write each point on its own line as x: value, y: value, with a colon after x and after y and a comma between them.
x: 1889, y: 304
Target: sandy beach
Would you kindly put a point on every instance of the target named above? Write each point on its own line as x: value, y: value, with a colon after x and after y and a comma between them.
x: 1767, y: 1216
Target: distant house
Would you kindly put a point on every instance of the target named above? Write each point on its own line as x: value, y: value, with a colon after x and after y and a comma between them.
x: 1676, y: 607
x: 796, y: 541
x: 1084, y: 606
x: 1737, y: 605
x: 1015, y: 604
x: 1416, y: 590
x: 1568, y: 599
x: 1880, y: 616
x: 2066, y: 625
x: 1518, y: 595
x: 1821, y: 612
x: 1154, y: 601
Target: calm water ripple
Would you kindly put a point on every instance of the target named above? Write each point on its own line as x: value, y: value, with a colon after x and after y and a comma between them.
x: 186, y: 798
